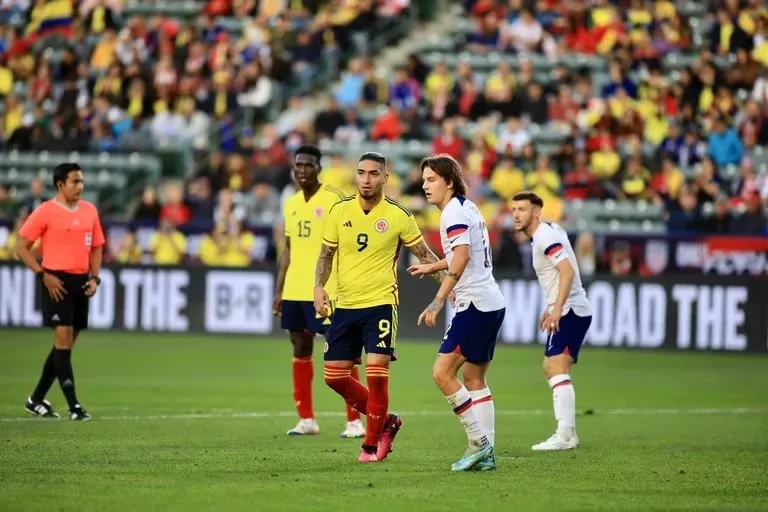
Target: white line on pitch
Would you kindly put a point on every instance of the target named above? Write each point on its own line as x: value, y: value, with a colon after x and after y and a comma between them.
x: 500, y: 412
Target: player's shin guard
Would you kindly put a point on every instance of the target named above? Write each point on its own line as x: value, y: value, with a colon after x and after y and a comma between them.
x: 462, y: 406
x: 564, y: 399
x: 352, y: 413
x: 303, y: 373
x: 352, y: 391
x: 482, y: 404
x: 378, y: 402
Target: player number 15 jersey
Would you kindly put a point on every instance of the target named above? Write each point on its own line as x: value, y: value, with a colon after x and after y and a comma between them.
x: 461, y: 223
x: 304, y: 226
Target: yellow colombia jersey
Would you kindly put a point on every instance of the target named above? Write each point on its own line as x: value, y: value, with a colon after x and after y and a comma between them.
x: 368, y: 247
x: 304, y: 226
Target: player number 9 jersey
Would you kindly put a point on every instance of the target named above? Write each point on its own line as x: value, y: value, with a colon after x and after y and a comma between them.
x: 368, y: 249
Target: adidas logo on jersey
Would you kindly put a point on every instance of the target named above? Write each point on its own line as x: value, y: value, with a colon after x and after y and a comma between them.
x: 348, y: 224
x: 382, y: 345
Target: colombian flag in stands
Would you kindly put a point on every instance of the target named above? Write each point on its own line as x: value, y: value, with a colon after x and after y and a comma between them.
x: 54, y: 16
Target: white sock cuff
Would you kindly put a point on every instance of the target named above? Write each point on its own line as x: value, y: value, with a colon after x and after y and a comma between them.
x: 559, y: 379
x: 459, y: 398
x: 480, y: 394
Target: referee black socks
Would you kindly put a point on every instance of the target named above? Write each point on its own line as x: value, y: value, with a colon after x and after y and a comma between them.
x: 46, y: 379
x: 63, y: 362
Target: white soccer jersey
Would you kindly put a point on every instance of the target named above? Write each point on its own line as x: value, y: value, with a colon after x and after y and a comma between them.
x: 550, y: 247
x: 461, y: 223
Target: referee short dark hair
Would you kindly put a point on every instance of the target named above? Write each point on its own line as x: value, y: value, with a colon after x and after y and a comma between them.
x: 449, y: 169
x: 309, y: 149
x: 61, y: 171
x: 534, y: 199
x: 374, y: 157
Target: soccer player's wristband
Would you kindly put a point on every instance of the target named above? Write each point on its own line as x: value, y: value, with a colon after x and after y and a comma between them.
x: 455, y: 276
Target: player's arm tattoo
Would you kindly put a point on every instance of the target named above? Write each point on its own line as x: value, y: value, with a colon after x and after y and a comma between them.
x: 436, y: 305
x: 324, y: 265
x: 425, y: 255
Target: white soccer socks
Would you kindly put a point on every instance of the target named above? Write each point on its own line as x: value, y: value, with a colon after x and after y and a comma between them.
x: 482, y: 404
x: 461, y: 402
x: 564, y: 400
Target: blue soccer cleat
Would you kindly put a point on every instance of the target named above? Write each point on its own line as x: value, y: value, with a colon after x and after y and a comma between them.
x: 487, y: 464
x: 472, y: 458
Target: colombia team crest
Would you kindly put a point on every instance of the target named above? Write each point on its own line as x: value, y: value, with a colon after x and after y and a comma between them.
x: 381, y: 226
x: 318, y: 213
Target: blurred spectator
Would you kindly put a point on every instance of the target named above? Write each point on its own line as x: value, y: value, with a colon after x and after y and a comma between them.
x: 174, y: 209
x: 620, y: 262
x: 404, y: 92
x: 753, y: 220
x: 129, y: 252
x: 329, y: 120
x: 635, y: 183
x: 200, y: 201
x: 148, y: 209
x: 388, y: 126
x: 586, y: 254
x: 350, y: 90
x: 725, y: 148
x: 212, y: 247
x: 543, y: 180
x: 513, y: 137
x: 669, y: 181
x: 8, y: 246
x: 8, y: 206
x: 238, y: 245
x: 684, y: 215
x: 36, y: 196
x: 507, y: 180
x: 262, y: 205
x: 720, y: 222
x: 448, y: 141
x: 168, y: 245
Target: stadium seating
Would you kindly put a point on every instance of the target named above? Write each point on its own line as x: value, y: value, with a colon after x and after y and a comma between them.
x: 683, y: 41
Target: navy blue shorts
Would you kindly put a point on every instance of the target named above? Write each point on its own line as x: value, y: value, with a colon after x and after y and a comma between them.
x: 473, y: 334
x: 570, y: 337
x: 352, y: 330
x: 300, y: 316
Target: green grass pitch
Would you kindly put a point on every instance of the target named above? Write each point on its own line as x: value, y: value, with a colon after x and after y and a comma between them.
x: 195, y: 423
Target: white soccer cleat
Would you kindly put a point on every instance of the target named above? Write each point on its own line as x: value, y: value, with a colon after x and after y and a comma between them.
x: 354, y: 430
x: 305, y: 427
x: 557, y: 443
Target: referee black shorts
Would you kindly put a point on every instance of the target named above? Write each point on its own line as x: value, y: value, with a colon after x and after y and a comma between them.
x: 72, y: 309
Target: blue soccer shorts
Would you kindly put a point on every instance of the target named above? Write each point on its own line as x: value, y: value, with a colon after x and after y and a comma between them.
x: 570, y: 337
x: 372, y: 329
x: 473, y: 334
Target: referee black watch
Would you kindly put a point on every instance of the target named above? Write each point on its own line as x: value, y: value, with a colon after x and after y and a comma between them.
x: 95, y: 278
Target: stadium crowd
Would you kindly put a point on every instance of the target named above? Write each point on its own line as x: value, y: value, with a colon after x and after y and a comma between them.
x: 691, y: 139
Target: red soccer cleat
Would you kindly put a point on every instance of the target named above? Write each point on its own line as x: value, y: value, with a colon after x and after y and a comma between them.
x: 368, y: 454
x: 387, y: 439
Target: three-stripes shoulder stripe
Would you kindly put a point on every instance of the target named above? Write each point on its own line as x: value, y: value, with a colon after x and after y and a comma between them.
x: 340, y: 193
x: 340, y: 201
x: 395, y: 203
